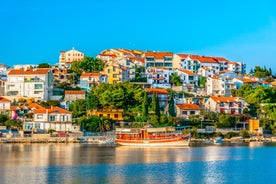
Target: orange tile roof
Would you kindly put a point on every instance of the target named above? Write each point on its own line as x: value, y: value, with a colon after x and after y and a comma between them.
x: 52, y: 110
x: 2, y: 99
x: 183, y: 56
x: 188, y: 106
x: 207, y: 59
x: 157, y: 90
x: 141, y: 60
x: 246, y: 80
x: 30, y: 106
x: 221, y: 59
x: 158, y: 55
x: 37, y: 71
x: 90, y: 74
x: 74, y: 92
x: 187, y: 72
x: 223, y: 99
x: 35, y: 105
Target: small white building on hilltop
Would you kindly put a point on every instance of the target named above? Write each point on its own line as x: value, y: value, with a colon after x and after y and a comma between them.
x: 66, y: 58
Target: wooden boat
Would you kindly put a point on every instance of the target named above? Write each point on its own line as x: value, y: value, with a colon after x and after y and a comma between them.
x: 151, y: 137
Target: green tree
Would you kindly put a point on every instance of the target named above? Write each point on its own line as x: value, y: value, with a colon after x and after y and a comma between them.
x: 90, y: 64
x: 3, y: 119
x: 145, y: 106
x: 13, y: 123
x: 176, y: 79
x: 43, y: 65
x: 226, y: 121
x: 155, y: 105
x: 50, y: 103
x: 171, y: 105
x: 78, y: 108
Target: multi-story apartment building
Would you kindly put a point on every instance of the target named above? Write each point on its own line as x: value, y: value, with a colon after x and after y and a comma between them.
x: 219, y: 86
x: 178, y: 59
x: 36, y: 83
x: 188, y: 77
x: 55, y: 118
x: 88, y: 80
x: 115, y: 72
x: 228, y: 105
x: 66, y: 58
x: 206, y: 72
x: 159, y: 59
x: 158, y: 77
x: 237, y: 67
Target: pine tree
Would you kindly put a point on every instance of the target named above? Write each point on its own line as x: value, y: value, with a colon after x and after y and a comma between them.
x: 155, y: 105
x: 145, y: 107
x: 171, y: 106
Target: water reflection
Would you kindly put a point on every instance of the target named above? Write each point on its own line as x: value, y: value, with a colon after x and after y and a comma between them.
x: 85, y: 163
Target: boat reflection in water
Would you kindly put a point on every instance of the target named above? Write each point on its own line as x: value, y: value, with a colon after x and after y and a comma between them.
x: 151, y: 137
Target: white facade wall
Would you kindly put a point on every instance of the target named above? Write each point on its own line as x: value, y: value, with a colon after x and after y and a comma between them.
x: 25, y: 86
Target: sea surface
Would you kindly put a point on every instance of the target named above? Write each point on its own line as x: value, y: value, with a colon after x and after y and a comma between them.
x: 86, y: 163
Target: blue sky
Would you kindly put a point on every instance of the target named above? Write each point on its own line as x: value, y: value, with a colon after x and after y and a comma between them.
x: 35, y: 31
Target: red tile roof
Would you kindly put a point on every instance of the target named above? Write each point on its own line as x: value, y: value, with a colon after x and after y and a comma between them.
x: 52, y: 110
x: 183, y: 56
x: 30, y: 106
x: 188, y: 106
x: 74, y: 92
x: 158, y: 55
x: 223, y: 99
x: 187, y: 72
x: 90, y: 74
x: 38, y: 71
x: 157, y: 90
x: 2, y: 99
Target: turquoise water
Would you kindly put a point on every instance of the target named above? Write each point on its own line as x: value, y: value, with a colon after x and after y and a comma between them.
x: 84, y: 163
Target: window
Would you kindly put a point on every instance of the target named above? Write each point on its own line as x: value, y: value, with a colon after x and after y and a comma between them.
x: 192, y: 112
x: 116, y: 116
x: 52, y: 118
x: 39, y: 116
x: 108, y: 70
x: 184, y: 112
x: 115, y: 76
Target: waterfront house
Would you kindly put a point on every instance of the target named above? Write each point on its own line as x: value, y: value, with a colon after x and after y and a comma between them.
x: 186, y: 110
x: 54, y: 118
x: 36, y: 83
x: 227, y: 105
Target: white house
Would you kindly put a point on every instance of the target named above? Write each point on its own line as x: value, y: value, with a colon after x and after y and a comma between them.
x: 158, y: 77
x: 219, y: 86
x: 186, y: 110
x: 36, y: 83
x: 55, y: 118
x: 228, y: 105
x: 188, y: 77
